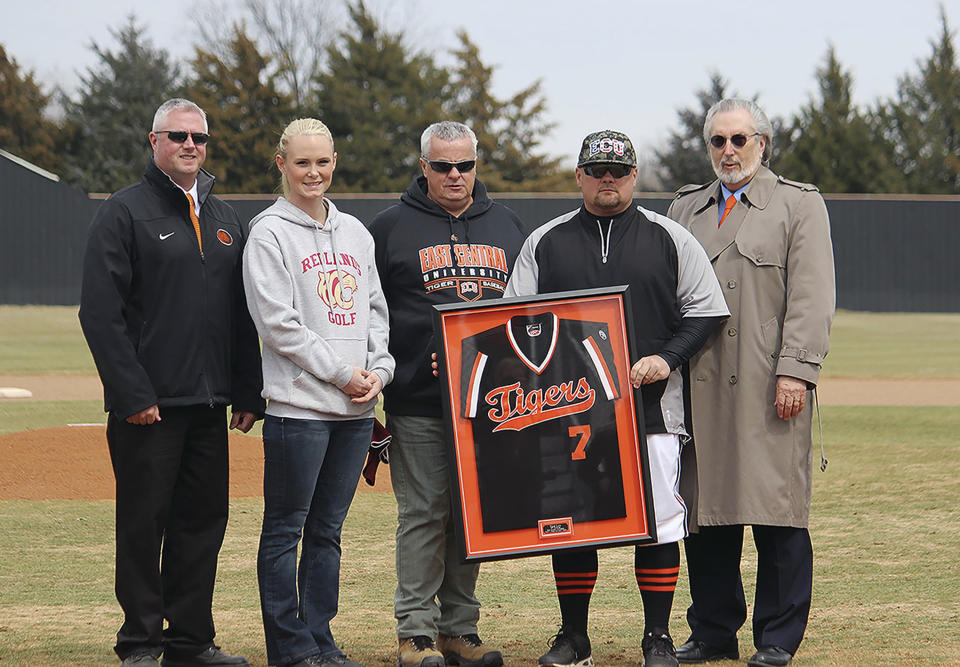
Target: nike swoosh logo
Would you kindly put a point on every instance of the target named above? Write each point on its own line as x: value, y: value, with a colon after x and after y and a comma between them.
x: 164, y: 237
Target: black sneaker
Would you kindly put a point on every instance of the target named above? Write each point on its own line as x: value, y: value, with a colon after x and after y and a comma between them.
x: 568, y: 648
x: 658, y: 649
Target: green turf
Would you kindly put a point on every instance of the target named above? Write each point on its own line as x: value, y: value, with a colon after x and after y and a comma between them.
x: 885, y: 528
x: 894, y: 345
x: 17, y: 415
x: 42, y: 340
x: 46, y: 340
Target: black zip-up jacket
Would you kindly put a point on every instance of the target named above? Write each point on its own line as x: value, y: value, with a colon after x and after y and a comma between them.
x: 166, y: 324
x: 676, y: 299
x: 425, y: 257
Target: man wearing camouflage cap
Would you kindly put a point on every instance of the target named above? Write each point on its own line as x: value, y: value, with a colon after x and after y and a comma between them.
x: 676, y: 302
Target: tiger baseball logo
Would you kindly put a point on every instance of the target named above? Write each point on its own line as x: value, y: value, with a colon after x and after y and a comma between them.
x: 224, y: 237
x: 466, y: 268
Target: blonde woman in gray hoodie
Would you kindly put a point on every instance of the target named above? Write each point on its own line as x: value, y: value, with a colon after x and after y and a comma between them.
x: 313, y: 291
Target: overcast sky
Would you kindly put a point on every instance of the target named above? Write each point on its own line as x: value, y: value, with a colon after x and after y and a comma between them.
x: 618, y: 64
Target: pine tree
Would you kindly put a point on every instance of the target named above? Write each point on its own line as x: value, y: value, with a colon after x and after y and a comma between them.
x: 924, y: 120
x: 24, y: 131
x: 834, y: 145
x: 377, y: 96
x: 111, y: 120
x: 508, y: 131
x: 245, y: 112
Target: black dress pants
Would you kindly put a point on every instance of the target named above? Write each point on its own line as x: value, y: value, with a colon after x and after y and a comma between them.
x: 783, y: 593
x: 171, y: 516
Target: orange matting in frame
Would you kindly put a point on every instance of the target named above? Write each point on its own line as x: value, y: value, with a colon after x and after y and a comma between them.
x: 460, y: 325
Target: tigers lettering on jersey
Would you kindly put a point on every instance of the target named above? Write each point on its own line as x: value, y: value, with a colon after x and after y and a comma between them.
x: 467, y: 268
x: 515, y: 410
x: 539, y: 392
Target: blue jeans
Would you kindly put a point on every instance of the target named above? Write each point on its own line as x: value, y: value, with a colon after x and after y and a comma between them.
x: 311, y: 470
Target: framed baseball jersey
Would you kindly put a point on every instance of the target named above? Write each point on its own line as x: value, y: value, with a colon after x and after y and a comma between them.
x: 546, y: 432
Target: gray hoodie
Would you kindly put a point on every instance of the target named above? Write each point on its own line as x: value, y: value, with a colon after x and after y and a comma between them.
x: 315, y: 296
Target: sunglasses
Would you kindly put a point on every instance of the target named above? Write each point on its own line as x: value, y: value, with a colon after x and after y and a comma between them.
x: 179, y: 136
x: 598, y: 170
x: 442, y: 167
x: 738, y: 140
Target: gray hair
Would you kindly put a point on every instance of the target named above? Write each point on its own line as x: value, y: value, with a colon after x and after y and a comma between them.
x: 761, y: 123
x: 175, y: 104
x: 447, y: 130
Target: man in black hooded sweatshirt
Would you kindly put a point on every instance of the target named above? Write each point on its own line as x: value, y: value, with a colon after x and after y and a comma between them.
x: 445, y: 242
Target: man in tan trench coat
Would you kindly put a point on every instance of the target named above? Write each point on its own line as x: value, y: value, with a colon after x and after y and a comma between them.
x: 769, y: 241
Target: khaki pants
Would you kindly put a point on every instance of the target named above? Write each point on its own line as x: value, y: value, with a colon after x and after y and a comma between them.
x: 435, y: 589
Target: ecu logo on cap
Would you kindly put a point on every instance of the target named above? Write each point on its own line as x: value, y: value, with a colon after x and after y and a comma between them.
x: 224, y: 236
x: 606, y: 145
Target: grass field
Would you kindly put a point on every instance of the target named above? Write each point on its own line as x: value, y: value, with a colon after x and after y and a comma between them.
x: 885, y: 526
x: 47, y: 340
x: 42, y: 340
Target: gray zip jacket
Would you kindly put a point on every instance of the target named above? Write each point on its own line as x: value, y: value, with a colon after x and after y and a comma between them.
x: 314, y: 294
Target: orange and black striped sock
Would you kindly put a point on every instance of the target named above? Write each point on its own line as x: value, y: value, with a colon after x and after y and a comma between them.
x: 657, y: 569
x: 575, y: 574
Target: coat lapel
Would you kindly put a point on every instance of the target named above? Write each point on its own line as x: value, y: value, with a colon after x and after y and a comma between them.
x: 704, y: 223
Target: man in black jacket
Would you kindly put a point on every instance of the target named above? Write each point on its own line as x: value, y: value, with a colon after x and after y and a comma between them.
x: 676, y: 304
x: 163, y: 311
x: 445, y: 242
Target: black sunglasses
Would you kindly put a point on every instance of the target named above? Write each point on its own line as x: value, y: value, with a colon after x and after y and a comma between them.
x: 179, y: 136
x: 442, y: 167
x: 616, y: 170
x: 738, y: 140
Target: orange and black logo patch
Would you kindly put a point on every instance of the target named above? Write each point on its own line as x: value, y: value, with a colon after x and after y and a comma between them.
x: 224, y: 236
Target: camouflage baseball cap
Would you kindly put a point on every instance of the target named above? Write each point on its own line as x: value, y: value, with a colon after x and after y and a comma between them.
x: 607, y: 146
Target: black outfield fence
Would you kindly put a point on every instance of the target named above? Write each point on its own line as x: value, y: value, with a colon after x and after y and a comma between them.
x: 893, y: 253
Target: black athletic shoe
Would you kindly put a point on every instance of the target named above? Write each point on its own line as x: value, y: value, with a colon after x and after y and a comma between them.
x: 568, y: 648
x: 658, y: 649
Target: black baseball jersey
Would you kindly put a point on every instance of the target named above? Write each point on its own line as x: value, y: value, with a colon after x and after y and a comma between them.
x: 540, y: 394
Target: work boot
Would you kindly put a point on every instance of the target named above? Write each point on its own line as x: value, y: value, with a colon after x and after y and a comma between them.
x: 418, y: 651
x: 468, y: 651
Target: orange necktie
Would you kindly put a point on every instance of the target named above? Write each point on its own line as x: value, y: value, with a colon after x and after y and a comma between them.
x: 731, y: 202
x: 196, y: 221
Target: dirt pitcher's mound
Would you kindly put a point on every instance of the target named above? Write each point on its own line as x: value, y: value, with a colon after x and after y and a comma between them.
x: 73, y: 463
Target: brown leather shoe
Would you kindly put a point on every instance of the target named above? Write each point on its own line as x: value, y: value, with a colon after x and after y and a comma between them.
x: 468, y: 651
x: 418, y: 651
